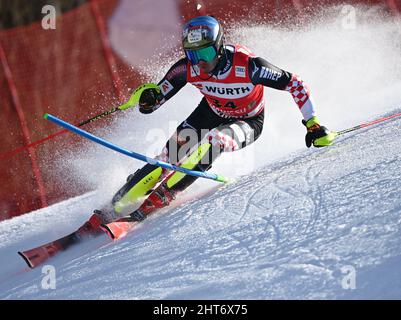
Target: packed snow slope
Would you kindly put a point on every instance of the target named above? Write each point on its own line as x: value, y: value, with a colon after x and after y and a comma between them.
x: 292, y: 230
x: 295, y: 223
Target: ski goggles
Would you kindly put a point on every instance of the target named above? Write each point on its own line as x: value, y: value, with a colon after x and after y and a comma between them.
x: 206, y: 54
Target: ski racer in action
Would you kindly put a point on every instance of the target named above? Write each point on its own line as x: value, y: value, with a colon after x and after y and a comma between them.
x: 228, y: 118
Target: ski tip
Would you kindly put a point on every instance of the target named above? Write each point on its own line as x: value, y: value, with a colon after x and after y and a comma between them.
x: 28, y: 262
x: 106, y: 229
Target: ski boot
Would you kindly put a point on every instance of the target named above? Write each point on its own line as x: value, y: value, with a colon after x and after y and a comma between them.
x: 138, y: 185
x: 159, y: 198
x: 92, y: 226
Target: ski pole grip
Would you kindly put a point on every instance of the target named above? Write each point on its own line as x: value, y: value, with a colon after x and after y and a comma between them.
x: 134, y: 99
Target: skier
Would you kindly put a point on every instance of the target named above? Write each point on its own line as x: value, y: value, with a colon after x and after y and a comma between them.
x: 228, y: 118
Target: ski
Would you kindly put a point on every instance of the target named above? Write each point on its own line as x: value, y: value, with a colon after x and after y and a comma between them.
x: 92, y: 228
x: 40, y: 254
x: 157, y: 199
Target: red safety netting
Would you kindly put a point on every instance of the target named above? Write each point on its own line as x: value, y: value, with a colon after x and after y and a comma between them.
x: 64, y: 72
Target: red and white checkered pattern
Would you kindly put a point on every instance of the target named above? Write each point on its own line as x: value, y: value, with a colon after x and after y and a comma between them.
x: 222, y: 140
x: 299, y: 90
x: 163, y: 156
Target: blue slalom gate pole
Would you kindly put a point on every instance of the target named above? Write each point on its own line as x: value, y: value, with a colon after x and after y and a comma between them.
x: 133, y: 154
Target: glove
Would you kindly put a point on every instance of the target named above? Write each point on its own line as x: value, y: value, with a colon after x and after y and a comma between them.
x: 317, y: 135
x: 148, y: 100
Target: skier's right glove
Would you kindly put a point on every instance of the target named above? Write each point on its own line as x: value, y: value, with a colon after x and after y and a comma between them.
x: 149, y: 100
x: 317, y: 135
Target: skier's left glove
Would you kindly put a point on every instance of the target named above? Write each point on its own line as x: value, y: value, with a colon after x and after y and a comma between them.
x: 317, y: 135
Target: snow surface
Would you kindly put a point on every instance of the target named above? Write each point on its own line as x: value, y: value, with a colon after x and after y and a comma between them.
x: 295, y: 223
